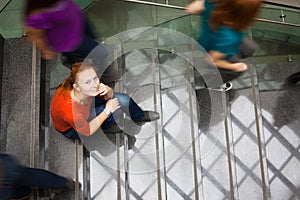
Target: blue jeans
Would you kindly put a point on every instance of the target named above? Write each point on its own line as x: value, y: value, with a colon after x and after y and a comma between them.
x: 128, y: 106
x: 17, y: 180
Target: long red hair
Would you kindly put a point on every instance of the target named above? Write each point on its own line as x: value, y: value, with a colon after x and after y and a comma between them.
x: 76, y: 68
x: 237, y: 14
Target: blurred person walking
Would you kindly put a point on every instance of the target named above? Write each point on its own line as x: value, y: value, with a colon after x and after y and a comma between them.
x: 17, y: 181
x: 59, y: 26
x: 222, y: 33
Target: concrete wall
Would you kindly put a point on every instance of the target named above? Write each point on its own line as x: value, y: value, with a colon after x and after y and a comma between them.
x: 19, y: 113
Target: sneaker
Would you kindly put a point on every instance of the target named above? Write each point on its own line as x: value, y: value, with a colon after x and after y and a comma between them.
x: 226, y: 86
x: 131, y: 141
x: 293, y: 79
x: 24, y: 193
x: 148, y: 117
x: 69, y: 186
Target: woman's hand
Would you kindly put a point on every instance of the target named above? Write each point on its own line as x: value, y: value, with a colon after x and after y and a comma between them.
x: 48, y: 54
x: 112, y: 105
x: 195, y: 8
x: 239, y: 67
x: 38, y: 36
x: 105, y: 91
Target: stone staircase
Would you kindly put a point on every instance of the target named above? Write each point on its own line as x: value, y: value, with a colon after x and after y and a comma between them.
x: 243, y: 144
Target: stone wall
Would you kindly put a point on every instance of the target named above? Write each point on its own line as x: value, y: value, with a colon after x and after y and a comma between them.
x: 19, y: 102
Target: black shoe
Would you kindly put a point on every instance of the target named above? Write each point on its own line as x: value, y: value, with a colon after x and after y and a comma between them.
x: 113, y: 129
x: 293, y: 79
x: 70, y: 186
x: 227, y: 86
x: 148, y: 117
x: 23, y: 193
x: 131, y: 141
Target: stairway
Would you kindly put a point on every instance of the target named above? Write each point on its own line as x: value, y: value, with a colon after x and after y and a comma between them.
x: 243, y: 144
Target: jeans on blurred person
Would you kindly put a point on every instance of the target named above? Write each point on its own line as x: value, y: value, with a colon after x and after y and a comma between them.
x: 16, y: 180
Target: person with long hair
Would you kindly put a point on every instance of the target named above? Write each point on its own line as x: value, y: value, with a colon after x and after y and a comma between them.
x: 222, y: 32
x: 72, y: 108
x: 59, y: 26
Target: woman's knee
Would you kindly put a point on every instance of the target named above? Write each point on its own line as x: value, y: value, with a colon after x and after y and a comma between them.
x: 123, y: 99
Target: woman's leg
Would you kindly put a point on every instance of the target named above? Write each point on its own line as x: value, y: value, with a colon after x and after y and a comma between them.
x: 40, y: 178
x: 22, y: 192
x: 128, y: 106
x: 99, y: 107
x: 71, y: 134
x: 246, y: 49
x: 228, y: 75
x: 9, y: 175
x: 85, y: 48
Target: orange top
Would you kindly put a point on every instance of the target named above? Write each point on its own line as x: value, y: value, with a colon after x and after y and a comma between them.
x: 67, y: 113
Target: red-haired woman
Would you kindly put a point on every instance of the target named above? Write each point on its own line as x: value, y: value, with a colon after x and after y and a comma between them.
x: 221, y: 34
x: 72, y: 104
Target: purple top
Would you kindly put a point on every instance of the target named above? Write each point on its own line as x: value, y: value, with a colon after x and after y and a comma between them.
x: 63, y: 24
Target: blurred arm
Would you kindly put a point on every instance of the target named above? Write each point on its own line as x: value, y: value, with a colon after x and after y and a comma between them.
x: 218, y: 59
x: 195, y: 8
x: 37, y: 36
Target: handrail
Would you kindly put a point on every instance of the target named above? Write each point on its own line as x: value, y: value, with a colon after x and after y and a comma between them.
x: 277, y: 22
x: 182, y: 8
x: 281, y: 4
x: 257, y: 19
x: 4, y: 4
x: 176, y: 18
x: 155, y: 4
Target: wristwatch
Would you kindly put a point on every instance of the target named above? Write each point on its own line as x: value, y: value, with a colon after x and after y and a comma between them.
x: 107, y: 112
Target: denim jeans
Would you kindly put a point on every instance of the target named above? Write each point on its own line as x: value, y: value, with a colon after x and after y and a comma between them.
x: 17, y: 180
x: 128, y: 106
x: 89, y: 48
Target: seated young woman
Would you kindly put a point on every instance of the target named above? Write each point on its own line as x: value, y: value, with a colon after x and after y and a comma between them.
x: 74, y: 112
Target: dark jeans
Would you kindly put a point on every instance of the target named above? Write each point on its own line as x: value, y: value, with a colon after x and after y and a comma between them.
x: 294, y: 78
x: 17, y: 180
x: 90, y: 49
x: 247, y: 49
x: 128, y: 106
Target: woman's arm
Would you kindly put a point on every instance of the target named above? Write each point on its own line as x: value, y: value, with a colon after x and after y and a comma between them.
x: 111, y: 105
x: 195, y: 8
x: 218, y: 59
x: 97, y: 122
x: 37, y: 36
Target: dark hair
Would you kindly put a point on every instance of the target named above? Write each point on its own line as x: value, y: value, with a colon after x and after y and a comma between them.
x: 38, y: 4
x: 237, y: 14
